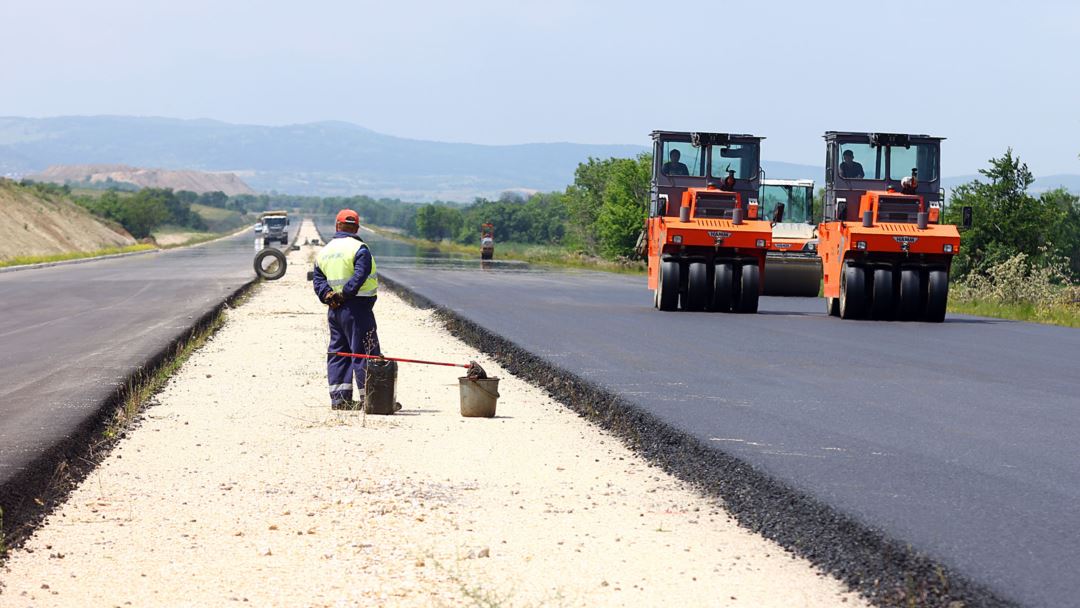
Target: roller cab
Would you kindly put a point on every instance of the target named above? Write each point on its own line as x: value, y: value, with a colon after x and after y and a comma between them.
x: 792, y: 264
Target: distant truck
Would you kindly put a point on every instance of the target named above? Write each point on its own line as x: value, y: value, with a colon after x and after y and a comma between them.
x: 275, y: 227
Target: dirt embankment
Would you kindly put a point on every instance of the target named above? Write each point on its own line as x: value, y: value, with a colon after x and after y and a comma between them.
x: 241, y: 485
x: 192, y: 181
x: 32, y: 224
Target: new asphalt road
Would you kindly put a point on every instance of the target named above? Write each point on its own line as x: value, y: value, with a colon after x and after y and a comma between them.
x: 961, y: 438
x: 70, y: 334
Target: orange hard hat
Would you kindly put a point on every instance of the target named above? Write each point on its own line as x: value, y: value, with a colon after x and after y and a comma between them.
x: 348, y: 216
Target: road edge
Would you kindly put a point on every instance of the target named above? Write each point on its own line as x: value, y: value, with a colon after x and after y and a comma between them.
x: 29, y: 497
x: 886, y: 571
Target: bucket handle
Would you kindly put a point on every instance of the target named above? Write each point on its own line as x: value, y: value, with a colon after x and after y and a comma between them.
x: 494, y: 395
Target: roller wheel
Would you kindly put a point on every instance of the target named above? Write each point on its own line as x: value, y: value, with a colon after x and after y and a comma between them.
x: 746, y: 301
x: 832, y: 306
x: 937, y: 295
x: 270, y: 264
x: 723, y: 286
x: 852, y: 292
x: 697, y: 286
x: 910, y: 293
x: 668, y: 285
x: 881, y: 306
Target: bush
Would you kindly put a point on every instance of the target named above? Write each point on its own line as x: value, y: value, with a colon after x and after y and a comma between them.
x: 1021, y: 280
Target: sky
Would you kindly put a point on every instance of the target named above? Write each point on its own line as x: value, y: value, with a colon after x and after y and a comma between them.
x: 986, y: 75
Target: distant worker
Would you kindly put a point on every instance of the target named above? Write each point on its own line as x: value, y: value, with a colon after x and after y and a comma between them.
x: 849, y: 169
x: 673, y: 166
x: 345, y: 280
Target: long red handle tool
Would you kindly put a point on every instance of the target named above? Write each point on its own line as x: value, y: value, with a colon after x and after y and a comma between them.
x: 475, y: 371
x: 354, y: 355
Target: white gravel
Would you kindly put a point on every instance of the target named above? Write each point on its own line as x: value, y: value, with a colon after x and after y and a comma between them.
x: 241, y: 485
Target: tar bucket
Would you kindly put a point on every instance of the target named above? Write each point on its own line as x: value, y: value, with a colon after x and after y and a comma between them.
x: 380, y: 387
x: 478, y: 396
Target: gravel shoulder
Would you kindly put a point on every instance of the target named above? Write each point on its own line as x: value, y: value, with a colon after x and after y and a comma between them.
x: 240, y: 484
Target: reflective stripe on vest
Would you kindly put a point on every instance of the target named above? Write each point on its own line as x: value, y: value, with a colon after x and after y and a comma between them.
x: 336, y: 261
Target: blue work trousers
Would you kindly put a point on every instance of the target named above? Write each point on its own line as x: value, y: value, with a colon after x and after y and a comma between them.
x: 352, y: 330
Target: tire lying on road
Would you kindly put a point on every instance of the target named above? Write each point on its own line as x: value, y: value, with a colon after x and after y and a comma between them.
x: 270, y: 264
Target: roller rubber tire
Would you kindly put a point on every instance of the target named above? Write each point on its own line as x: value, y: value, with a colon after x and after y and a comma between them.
x: 698, y: 288
x: 746, y: 301
x: 910, y: 293
x: 937, y: 295
x: 271, y: 274
x: 852, y: 292
x: 668, y: 285
x: 723, y: 287
x: 882, y: 304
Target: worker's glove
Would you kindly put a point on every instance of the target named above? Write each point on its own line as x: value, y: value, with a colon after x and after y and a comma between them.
x: 334, y: 300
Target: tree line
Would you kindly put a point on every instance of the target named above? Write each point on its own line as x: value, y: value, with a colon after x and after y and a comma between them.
x: 601, y: 213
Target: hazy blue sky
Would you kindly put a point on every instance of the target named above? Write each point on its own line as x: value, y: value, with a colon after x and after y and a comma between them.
x: 984, y: 74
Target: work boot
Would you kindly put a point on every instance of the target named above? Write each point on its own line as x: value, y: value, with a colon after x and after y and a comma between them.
x: 347, y: 404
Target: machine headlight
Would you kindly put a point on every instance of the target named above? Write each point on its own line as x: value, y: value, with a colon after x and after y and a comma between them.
x: 948, y: 248
x: 759, y: 243
x: 677, y: 239
x: 810, y: 246
x: 860, y: 245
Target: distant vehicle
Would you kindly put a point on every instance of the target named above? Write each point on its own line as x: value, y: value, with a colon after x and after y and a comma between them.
x: 258, y: 228
x: 706, y: 241
x: 884, y: 253
x: 487, y: 242
x: 792, y: 264
x: 275, y: 227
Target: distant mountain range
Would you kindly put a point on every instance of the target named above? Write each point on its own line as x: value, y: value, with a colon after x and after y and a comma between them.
x: 324, y: 158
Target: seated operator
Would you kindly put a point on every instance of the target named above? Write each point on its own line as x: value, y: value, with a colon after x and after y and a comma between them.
x: 673, y: 166
x: 850, y: 169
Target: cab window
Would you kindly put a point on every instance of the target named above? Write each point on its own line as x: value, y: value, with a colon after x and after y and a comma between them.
x: 861, y: 161
x: 740, y: 158
x: 682, y: 158
x: 797, y: 202
x: 919, y: 156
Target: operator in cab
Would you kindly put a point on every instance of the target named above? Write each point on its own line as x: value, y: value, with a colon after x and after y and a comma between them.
x: 849, y: 169
x: 673, y: 166
x: 345, y: 280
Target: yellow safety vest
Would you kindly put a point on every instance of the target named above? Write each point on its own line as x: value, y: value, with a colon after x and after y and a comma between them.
x: 336, y: 263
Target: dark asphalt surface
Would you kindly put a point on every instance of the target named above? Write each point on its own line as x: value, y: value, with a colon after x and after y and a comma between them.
x: 70, y: 335
x: 962, y: 438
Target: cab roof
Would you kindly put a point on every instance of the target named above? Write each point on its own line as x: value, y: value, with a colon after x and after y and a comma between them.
x: 707, y: 135
x: 788, y: 182
x: 848, y: 135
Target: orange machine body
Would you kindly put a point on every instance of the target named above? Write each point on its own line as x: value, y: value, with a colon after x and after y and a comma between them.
x: 884, y: 242
x: 715, y: 238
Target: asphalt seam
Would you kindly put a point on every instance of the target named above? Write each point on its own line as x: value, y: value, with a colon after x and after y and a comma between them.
x: 886, y: 571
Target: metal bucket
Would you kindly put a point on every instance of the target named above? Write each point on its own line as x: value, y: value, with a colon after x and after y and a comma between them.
x: 380, y: 387
x: 478, y: 397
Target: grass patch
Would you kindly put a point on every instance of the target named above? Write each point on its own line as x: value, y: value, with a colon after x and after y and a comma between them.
x: 143, y: 388
x: 72, y: 255
x: 1063, y: 314
x: 548, y: 255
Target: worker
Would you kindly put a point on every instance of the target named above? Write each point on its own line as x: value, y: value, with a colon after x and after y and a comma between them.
x: 849, y: 169
x: 673, y: 166
x: 345, y: 280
